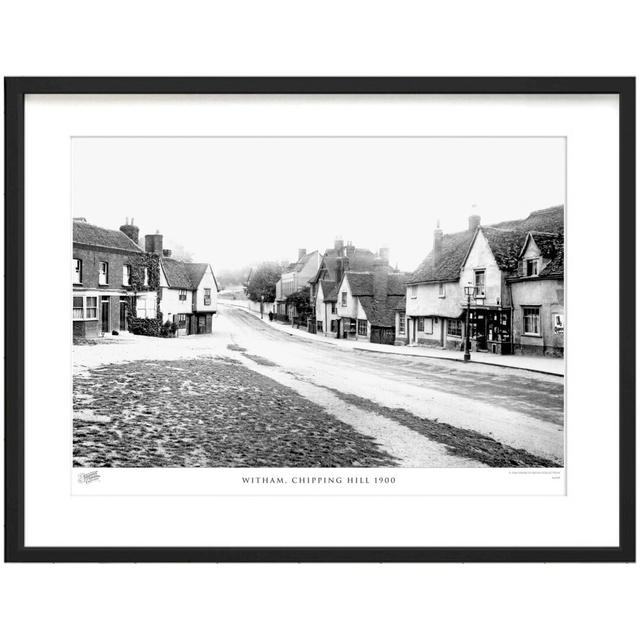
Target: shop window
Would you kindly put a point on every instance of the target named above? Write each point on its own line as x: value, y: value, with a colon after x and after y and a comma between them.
x: 402, y: 323
x: 454, y: 328
x: 362, y: 327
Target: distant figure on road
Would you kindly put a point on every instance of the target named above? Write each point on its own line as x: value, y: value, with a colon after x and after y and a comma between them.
x: 270, y: 316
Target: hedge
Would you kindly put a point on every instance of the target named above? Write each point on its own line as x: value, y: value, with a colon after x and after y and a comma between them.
x: 145, y: 326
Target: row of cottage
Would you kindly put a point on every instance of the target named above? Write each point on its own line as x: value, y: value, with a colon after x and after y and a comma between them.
x: 116, y: 280
x: 503, y: 281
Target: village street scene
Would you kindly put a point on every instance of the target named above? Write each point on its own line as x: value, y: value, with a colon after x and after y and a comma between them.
x: 337, y: 358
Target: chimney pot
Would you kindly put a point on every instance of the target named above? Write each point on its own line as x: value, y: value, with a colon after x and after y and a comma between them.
x: 131, y: 231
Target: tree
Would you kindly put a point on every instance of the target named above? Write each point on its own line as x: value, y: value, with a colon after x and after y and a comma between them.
x: 301, y: 302
x: 262, y: 282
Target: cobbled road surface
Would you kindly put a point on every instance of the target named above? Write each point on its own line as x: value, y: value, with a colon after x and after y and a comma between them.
x: 252, y: 396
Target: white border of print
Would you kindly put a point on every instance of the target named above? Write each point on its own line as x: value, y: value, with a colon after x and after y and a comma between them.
x: 55, y: 517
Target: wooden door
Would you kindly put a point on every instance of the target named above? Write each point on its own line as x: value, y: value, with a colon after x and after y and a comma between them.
x: 123, y: 315
x: 104, y: 314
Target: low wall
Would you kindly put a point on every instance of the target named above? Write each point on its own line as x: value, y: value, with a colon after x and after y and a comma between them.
x: 249, y: 305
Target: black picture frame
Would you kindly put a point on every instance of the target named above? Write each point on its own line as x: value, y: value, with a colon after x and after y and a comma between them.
x: 15, y: 91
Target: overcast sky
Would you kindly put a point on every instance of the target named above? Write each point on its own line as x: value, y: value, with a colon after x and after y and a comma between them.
x: 234, y: 201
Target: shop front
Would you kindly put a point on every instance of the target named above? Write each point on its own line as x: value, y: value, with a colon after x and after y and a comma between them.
x: 490, y: 329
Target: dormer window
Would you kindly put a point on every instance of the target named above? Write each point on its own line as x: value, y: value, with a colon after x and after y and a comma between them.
x: 531, y: 267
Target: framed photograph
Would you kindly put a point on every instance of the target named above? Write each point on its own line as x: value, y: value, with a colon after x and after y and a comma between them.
x: 320, y: 319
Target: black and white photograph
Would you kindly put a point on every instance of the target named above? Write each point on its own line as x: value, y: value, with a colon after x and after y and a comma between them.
x: 318, y: 302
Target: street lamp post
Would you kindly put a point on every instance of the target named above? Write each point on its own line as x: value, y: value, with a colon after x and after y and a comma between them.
x: 262, y: 307
x: 468, y: 291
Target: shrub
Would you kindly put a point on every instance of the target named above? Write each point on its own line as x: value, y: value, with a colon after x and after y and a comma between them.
x: 145, y: 326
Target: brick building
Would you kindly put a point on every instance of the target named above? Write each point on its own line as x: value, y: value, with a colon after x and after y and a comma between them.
x: 103, y: 265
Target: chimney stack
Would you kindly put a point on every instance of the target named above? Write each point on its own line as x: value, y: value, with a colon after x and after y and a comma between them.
x: 338, y: 245
x: 130, y: 230
x: 384, y: 254
x: 301, y: 253
x: 153, y: 243
x: 474, y: 222
x: 380, y: 279
x: 437, y: 244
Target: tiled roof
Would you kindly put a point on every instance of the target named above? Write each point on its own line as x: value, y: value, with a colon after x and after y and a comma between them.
x: 358, y: 260
x: 85, y: 233
x: 551, y: 246
x: 548, y: 243
x: 361, y: 284
x: 555, y: 267
x: 505, y: 245
x: 183, y: 275
x: 454, y: 249
x: 302, y: 262
x: 329, y: 290
x: 380, y: 310
x: 505, y: 238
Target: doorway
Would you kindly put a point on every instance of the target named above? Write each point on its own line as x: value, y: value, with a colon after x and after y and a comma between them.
x: 123, y: 314
x: 104, y: 314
